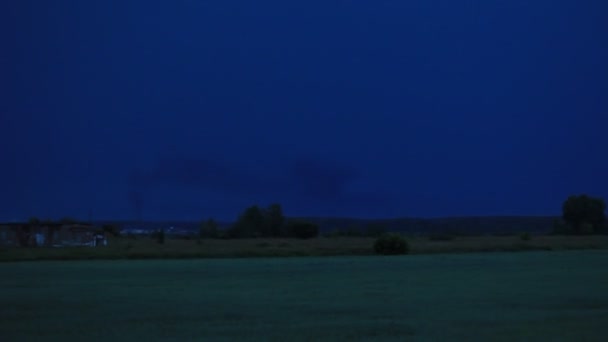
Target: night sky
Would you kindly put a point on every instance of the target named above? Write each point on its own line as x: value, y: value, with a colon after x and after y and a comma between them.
x: 196, y: 109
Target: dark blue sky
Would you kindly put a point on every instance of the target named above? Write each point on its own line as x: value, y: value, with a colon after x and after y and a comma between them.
x: 190, y: 109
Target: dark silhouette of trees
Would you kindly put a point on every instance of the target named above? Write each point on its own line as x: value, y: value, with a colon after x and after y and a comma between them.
x: 584, y: 214
x: 275, y: 220
x: 301, y: 229
x: 259, y: 222
x: 249, y: 224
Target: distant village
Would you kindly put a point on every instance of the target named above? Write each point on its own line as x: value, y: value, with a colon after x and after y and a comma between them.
x: 70, y: 233
x: 51, y: 234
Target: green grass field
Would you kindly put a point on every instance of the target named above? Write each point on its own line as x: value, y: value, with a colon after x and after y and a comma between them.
x: 479, y: 296
x: 148, y: 248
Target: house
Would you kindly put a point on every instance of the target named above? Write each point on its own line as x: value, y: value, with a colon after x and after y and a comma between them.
x: 50, y: 235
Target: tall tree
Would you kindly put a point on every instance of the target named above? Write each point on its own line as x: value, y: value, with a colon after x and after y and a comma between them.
x: 250, y: 223
x: 584, y: 214
x: 274, y: 220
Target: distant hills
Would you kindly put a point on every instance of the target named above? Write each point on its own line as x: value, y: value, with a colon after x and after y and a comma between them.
x: 483, y: 225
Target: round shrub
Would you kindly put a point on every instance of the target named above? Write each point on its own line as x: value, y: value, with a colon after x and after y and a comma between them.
x: 391, y: 244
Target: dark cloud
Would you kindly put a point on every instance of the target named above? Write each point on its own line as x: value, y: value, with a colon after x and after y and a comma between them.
x: 205, y: 174
x: 192, y: 172
x: 304, y: 182
x: 186, y: 173
x: 321, y: 180
x: 309, y: 177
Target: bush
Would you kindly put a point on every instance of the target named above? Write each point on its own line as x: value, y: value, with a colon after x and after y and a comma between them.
x: 391, y: 244
x: 525, y: 236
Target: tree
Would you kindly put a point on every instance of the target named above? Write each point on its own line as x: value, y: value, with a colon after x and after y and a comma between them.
x: 584, y: 214
x: 209, y: 229
x: 274, y: 220
x: 249, y: 224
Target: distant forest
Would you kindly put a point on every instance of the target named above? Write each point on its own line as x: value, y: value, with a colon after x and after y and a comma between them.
x: 491, y: 225
x: 581, y: 214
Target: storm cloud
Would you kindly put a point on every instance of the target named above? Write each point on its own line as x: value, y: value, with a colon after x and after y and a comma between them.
x: 305, y: 182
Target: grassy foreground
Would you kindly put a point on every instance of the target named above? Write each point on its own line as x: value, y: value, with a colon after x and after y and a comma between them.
x: 552, y: 296
x: 147, y: 248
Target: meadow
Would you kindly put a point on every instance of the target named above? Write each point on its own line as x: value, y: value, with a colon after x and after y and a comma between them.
x: 539, y: 295
x: 148, y: 248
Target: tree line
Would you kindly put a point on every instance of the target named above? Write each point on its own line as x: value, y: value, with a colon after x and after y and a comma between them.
x: 583, y: 214
x: 256, y: 221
